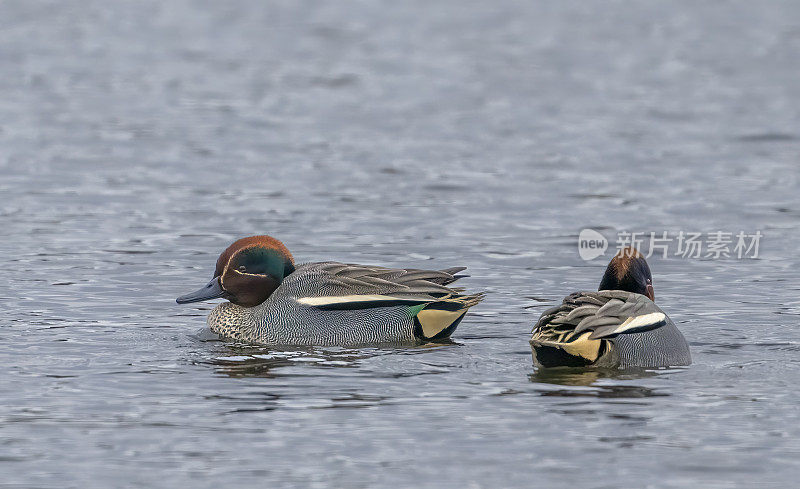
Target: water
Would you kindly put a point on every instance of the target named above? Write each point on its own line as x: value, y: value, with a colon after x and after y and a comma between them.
x: 138, y: 139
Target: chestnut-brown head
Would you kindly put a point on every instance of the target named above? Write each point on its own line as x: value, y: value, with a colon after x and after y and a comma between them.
x: 628, y: 271
x: 247, y: 272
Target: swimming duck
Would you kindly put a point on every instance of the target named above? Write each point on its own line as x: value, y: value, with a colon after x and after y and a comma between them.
x: 273, y: 301
x: 617, y: 326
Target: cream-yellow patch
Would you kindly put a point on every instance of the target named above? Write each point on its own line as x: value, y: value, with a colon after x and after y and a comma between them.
x: 434, y: 321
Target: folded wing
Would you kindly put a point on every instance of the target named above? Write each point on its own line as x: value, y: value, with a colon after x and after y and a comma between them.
x: 580, y: 326
x: 435, y: 308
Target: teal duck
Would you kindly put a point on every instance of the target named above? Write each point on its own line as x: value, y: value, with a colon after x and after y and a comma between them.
x: 617, y: 326
x: 272, y: 301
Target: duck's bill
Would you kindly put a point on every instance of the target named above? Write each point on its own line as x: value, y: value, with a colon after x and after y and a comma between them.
x: 212, y: 290
x: 651, y: 294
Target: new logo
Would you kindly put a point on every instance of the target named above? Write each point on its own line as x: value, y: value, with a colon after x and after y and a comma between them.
x: 591, y: 244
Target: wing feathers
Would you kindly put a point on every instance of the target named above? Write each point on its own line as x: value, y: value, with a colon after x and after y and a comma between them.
x: 605, y: 314
x: 636, y: 324
x: 592, y: 322
x: 357, y: 286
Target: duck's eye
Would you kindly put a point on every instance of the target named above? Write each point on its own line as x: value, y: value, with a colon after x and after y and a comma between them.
x: 242, y: 268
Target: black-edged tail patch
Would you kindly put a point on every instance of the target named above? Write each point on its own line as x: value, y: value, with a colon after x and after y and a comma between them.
x: 438, y: 320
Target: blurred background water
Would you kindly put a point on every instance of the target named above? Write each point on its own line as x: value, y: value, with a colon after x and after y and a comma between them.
x: 138, y: 139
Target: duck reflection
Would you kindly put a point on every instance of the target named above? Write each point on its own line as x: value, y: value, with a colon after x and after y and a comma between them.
x: 247, y: 360
x: 237, y: 360
x: 603, y: 394
x: 315, y: 382
x: 588, y: 377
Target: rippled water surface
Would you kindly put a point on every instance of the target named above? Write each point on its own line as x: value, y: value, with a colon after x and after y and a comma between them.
x: 138, y: 139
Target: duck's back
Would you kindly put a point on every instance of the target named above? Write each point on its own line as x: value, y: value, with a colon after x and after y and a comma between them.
x: 609, y: 328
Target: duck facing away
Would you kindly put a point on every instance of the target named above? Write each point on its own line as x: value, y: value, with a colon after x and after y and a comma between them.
x: 275, y: 302
x: 617, y: 326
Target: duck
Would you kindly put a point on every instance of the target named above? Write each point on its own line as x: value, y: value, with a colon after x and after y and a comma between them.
x: 273, y: 301
x: 618, y: 326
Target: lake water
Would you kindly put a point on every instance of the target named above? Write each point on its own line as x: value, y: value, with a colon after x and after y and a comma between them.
x: 138, y: 139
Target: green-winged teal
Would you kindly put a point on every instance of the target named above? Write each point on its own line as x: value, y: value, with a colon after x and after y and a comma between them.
x: 617, y: 326
x: 273, y: 301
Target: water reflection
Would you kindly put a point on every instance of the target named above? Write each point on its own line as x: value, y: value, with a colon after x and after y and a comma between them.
x: 240, y: 360
x: 609, y: 391
x: 245, y: 360
x: 586, y: 377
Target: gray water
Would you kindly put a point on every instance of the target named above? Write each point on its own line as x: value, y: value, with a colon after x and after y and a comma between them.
x: 138, y: 139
